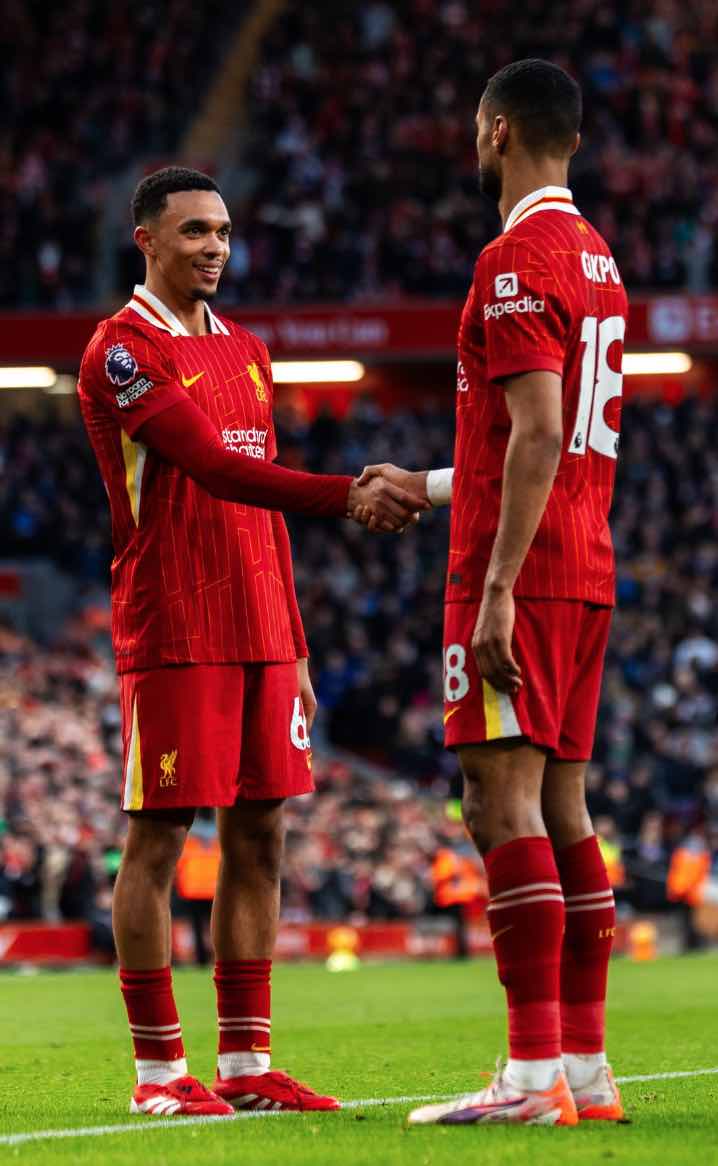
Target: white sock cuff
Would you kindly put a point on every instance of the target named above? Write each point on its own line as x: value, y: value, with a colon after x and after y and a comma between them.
x: 582, y: 1067
x: 160, y: 1072
x: 244, y: 1064
x: 537, y: 1074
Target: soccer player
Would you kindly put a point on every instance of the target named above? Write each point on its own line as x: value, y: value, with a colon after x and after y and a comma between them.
x: 216, y: 697
x: 529, y: 594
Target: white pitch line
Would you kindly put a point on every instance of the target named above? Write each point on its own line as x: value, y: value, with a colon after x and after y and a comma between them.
x: 666, y: 1076
x: 174, y: 1122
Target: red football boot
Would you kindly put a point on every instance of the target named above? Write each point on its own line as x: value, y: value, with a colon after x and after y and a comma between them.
x: 271, y: 1090
x: 185, y: 1095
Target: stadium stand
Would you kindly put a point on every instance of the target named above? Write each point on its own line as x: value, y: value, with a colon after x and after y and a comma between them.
x: 358, y: 178
x: 363, y: 154
x: 84, y: 91
x: 372, y: 609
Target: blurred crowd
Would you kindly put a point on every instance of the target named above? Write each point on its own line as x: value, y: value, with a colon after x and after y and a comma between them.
x: 372, y: 608
x: 86, y: 88
x: 359, y: 167
x: 363, y: 154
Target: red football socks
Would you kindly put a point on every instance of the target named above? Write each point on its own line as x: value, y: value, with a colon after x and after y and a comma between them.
x: 590, y: 927
x: 526, y: 918
x: 151, y: 1011
x: 243, y: 1005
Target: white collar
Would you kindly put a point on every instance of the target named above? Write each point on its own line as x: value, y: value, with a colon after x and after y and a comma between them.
x: 147, y: 305
x: 548, y: 198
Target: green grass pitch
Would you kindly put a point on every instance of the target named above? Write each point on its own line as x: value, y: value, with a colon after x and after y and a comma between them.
x: 384, y: 1031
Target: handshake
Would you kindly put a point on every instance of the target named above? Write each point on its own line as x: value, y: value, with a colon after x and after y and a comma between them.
x: 386, y: 498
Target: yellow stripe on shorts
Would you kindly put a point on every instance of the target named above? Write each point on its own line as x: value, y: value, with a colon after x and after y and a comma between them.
x: 499, y: 714
x: 492, y: 712
x: 134, y: 792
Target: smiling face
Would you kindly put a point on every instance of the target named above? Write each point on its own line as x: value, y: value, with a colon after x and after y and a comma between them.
x: 187, y: 243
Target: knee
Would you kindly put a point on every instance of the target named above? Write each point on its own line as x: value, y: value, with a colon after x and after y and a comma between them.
x: 493, y: 821
x: 473, y: 810
x: 255, y: 847
x: 155, y: 852
x: 566, y: 823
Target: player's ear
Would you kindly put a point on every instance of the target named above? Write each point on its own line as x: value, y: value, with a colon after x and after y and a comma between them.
x: 144, y: 240
x: 576, y: 144
x: 500, y: 133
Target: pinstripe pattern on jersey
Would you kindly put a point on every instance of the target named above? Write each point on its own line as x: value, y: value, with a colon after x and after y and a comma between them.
x: 197, y: 580
x: 571, y: 556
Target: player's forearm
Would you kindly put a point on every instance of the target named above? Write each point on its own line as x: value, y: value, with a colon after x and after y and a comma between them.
x: 530, y: 466
x: 234, y: 477
x: 284, y: 554
x: 184, y: 436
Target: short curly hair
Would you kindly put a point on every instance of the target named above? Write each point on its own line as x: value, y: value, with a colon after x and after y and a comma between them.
x: 150, y: 197
x: 543, y: 100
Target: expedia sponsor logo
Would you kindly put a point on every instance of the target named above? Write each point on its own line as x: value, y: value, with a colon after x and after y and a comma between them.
x: 251, y: 442
x: 127, y: 396
x: 525, y: 304
x: 506, y: 284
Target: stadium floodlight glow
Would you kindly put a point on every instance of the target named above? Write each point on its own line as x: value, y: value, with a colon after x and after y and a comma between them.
x: 64, y: 386
x: 636, y: 364
x: 27, y: 377
x: 307, y: 372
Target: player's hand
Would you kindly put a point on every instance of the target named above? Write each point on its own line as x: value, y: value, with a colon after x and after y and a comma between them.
x: 306, y: 692
x: 363, y: 515
x: 414, y: 482
x: 383, y: 505
x: 491, y: 641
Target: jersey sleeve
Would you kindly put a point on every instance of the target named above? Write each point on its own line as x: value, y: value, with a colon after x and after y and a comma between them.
x: 130, y: 376
x: 524, y: 316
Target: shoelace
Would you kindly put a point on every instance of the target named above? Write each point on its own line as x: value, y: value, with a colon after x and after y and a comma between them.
x: 490, y: 1091
x: 192, y: 1089
x: 288, y: 1084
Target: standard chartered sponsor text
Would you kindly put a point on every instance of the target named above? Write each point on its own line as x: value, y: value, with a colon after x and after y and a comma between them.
x: 251, y: 442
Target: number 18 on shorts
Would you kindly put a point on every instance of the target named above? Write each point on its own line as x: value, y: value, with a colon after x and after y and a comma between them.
x: 560, y: 646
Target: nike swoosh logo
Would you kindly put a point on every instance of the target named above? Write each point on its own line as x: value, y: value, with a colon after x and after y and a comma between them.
x: 260, y: 1049
x: 449, y: 715
x: 187, y: 381
x: 503, y: 931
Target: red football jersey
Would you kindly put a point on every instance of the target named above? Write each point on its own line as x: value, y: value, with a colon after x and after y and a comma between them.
x: 546, y: 294
x: 194, y: 579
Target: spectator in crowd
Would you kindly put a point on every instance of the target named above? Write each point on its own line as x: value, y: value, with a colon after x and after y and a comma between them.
x: 358, y: 175
x: 85, y: 90
x: 361, y: 150
x: 196, y: 879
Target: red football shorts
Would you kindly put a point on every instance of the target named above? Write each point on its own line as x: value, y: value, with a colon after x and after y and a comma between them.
x: 560, y: 645
x: 207, y: 734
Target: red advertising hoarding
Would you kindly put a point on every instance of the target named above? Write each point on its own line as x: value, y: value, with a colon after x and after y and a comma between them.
x: 408, y: 329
